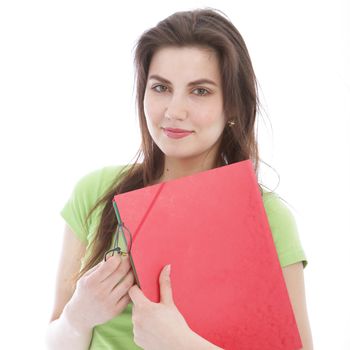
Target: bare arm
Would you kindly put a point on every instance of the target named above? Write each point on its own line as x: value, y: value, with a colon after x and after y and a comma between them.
x: 294, y: 278
x: 98, y: 296
x: 62, y: 333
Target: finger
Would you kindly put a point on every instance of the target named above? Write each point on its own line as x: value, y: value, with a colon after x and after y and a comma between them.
x: 122, y: 303
x: 117, y: 275
x: 122, y: 288
x: 108, y: 267
x: 166, y: 294
x: 89, y: 272
x: 137, y: 296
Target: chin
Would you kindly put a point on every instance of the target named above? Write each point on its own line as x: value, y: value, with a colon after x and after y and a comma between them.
x: 178, y: 155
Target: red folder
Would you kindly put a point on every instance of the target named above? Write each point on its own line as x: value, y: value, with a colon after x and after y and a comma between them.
x: 226, y: 277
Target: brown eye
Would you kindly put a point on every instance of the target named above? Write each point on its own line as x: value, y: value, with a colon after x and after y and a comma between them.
x: 202, y: 91
x: 159, y: 88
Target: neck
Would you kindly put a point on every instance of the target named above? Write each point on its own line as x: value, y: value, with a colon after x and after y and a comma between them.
x: 175, y: 168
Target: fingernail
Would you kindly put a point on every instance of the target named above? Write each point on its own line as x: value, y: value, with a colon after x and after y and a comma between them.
x: 167, y: 269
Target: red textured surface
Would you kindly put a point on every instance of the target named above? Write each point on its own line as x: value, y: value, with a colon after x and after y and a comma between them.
x: 226, y: 278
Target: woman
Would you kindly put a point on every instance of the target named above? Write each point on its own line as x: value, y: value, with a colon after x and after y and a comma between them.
x: 197, y: 104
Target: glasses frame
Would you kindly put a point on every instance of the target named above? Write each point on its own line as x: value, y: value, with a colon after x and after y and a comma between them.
x: 120, y: 229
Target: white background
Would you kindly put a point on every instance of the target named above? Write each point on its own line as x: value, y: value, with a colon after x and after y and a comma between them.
x: 66, y: 108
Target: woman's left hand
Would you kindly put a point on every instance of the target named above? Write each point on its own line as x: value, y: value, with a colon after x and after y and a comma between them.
x: 158, y: 325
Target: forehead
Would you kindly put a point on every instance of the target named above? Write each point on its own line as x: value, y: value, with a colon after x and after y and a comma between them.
x: 189, y: 63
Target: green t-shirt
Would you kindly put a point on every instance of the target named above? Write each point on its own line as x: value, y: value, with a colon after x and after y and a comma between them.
x: 118, y: 332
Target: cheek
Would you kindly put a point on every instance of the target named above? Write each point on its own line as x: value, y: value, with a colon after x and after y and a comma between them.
x: 209, y: 111
x: 153, y: 109
x: 210, y: 117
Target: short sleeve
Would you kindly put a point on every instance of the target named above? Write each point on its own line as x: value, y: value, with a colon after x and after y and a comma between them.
x: 86, y: 192
x: 284, y: 231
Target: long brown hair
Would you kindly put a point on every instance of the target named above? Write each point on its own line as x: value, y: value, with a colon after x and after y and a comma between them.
x: 200, y: 28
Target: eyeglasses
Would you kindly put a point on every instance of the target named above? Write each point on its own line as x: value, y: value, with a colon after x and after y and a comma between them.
x: 122, y: 244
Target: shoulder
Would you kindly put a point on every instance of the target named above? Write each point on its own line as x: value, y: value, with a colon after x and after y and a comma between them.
x: 95, y: 182
x: 87, y: 191
x: 100, y: 175
x: 284, y: 229
x: 276, y: 208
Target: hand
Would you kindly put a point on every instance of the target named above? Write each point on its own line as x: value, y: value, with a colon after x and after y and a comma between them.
x: 99, y: 296
x: 158, y: 325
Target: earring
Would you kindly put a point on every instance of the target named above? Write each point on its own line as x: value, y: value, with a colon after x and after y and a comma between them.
x: 230, y: 123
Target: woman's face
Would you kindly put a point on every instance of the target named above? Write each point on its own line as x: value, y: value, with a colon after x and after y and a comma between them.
x: 183, y: 102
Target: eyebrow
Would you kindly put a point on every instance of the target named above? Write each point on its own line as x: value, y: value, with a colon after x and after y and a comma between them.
x: 195, y: 82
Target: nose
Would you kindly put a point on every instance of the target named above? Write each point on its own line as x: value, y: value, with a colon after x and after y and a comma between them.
x: 176, y: 108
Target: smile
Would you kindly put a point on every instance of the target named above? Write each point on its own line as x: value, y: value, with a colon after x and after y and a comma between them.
x: 176, y: 133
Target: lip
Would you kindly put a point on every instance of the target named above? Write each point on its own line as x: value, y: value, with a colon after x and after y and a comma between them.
x: 176, y: 133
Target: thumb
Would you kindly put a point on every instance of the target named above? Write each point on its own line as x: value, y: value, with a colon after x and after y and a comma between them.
x: 166, y: 293
x: 136, y: 295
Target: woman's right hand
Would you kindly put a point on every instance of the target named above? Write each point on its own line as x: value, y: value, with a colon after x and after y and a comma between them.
x: 99, y: 296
